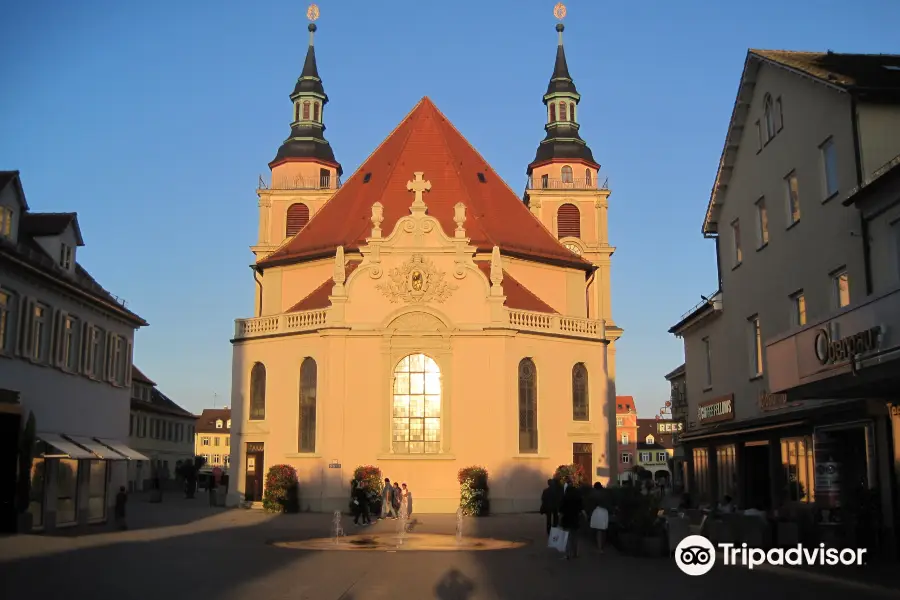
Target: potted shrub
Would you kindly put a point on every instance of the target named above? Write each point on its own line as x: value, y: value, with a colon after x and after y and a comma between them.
x: 473, y: 491
x: 282, y: 493
x: 370, y: 476
x: 27, y: 441
x: 572, y: 471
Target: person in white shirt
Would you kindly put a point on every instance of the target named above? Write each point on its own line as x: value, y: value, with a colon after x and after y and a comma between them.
x: 727, y: 505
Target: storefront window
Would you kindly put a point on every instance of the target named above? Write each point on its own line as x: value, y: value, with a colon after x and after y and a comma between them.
x: 725, y: 469
x: 97, y: 491
x: 66, y: 491
x: 701, y: 473
x: 797, y: 459
x: 36, y: 499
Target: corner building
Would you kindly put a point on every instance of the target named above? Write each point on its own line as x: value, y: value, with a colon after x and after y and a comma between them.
x: 422, y: 318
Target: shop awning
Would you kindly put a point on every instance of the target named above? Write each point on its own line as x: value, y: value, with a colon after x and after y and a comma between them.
x: 712, y: 434
x: 102, y: 452
x: 122, y: 449
x: 63, y: 448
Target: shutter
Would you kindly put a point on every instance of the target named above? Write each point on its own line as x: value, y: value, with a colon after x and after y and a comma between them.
x: 59, y: 338
x: 297, y: 218
x: 21, y: 323
x: 128, y: 359
x: 110, y: 356
x: 28, y: 320
x: 568, y: 221
x: 85, y: 344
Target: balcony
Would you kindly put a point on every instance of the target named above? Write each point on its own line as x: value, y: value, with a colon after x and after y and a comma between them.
x: 300, y: 183
x: 565, y: 183
x: 519, y: 320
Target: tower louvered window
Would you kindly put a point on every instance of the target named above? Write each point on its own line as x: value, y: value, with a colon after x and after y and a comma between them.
x: 552, y: 112
x: 568, y: 221
x: 306, y: 110
x: 562, y: 111
x: 297, y: 218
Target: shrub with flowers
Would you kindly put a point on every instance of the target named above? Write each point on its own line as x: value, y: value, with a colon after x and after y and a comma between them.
x: 370, y: 476
x: 573, y: 471
x: 282, y: 490
x: 473, y: 491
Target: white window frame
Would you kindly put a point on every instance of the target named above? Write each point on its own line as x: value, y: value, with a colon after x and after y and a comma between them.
x: 737, y: 255
x: 830, y: 181
x: 626, y: 457
x: 836, y: 287
x: 756, y: 357
x: 620, y: 421
x: 98, y: 356
x: 624, y: 439
x: 38, y: 332
x: 799, y: 318
x: 762, y: 223
x: 769, y: 117
x: 65, y: 256
x: 219, y: 424
x: 650, y: 439
x: 645, y: 456
x: 69, y: 356
x: 708, y: 358
x: 789, y: 198
x: 204, y: 441
x: 662, y: 456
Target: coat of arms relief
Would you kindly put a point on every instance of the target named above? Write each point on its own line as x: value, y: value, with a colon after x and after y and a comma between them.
x: 416, y: 280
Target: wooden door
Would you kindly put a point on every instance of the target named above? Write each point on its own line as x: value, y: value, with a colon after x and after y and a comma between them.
x: 253, y: 490
x: 583, y: 454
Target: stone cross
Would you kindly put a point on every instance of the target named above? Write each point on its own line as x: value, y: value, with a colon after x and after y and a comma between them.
x: 419, y: 186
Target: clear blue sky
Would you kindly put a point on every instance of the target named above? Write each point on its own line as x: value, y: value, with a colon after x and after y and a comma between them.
x: 153, y: 120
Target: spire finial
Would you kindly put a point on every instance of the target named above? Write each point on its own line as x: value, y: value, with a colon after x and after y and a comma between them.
x: 312, y: 13
x: 559, y: 11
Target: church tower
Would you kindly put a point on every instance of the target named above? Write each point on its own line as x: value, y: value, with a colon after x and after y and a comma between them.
x: 305, y: 173
x: 566, y: 192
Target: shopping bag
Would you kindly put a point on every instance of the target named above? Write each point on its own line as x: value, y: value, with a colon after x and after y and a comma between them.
x: 558, y: 539
x: 600, y: 518
x: 553, y: 540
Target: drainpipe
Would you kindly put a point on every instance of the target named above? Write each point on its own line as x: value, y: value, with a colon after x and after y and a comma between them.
x: 718, y: 264
x: 863, y: 223
x: 256, y: 272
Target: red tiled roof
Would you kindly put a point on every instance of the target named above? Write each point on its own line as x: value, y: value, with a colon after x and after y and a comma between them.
x: 318, y: 298
x: 426, y: 141
x: 517, y: 295
x: 138, y: 375
x: 206, y: 422
x: 626, y: 403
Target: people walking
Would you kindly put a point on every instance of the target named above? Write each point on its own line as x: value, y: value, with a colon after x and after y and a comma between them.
x: 550, y: 504
x: 121, y: 500
x: 360, y: 503
x: 599, y: 515
x: 397, y: 497
x: 570, y: 517
x: 387, y: 500
x: 406, y: 500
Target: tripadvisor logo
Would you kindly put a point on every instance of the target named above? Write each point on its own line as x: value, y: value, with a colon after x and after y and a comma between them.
x: 696, y: 555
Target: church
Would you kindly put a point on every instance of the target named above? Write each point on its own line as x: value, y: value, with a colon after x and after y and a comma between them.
x: 422, y: 317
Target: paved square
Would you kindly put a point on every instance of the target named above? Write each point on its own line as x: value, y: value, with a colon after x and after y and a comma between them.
x: 186, y: 550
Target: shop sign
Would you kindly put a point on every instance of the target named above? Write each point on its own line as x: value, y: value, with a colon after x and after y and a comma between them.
x: 830, y: 351
x: 719, y: 409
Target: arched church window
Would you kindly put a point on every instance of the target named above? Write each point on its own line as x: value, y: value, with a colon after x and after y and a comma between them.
x: 297, y: 218
x: 316, y: 112
x: 258, y: 392
x: 416, y: 406
x: 587, y: 178
x: 568, y: 221
x: 567, y: 174
x: 528, y: 433
x: 562, y: 111
x: 552, y: 111
x: 572, y: 111
x: 307, y: 427
x: 306, y: 110
x: 580, y: 405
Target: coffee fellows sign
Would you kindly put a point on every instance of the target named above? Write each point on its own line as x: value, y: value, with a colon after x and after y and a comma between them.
x: 716, y: 410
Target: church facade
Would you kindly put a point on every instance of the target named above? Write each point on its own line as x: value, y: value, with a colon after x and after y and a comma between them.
x: 421, y: 317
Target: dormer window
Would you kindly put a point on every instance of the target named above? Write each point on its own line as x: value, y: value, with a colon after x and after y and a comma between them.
x: 65, y: 256
x: 228, y: 425
x: 219, y: 424
x: 6, y: 217
x: 650, y: 439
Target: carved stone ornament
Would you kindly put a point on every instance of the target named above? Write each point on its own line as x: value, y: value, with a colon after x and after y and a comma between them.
x: 416, y: 280
x: 417, y: 321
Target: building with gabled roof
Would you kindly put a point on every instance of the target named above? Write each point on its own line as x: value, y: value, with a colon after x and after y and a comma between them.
x: 422, y: 317
x: 213, y: 439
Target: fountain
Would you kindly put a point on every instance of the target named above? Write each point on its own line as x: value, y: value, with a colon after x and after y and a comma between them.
x: 459, y: 525
x: 337, y: 529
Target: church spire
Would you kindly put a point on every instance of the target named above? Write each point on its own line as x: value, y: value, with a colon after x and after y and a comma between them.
x: 307, y: 139
x: 562, y: 141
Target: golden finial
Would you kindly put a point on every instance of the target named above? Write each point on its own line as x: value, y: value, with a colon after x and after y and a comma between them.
x: 559, y: 11
x: 312, y: 13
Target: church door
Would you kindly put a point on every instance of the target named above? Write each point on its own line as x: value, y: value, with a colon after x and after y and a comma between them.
x: 582, y: 454
x: 253, y: 489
